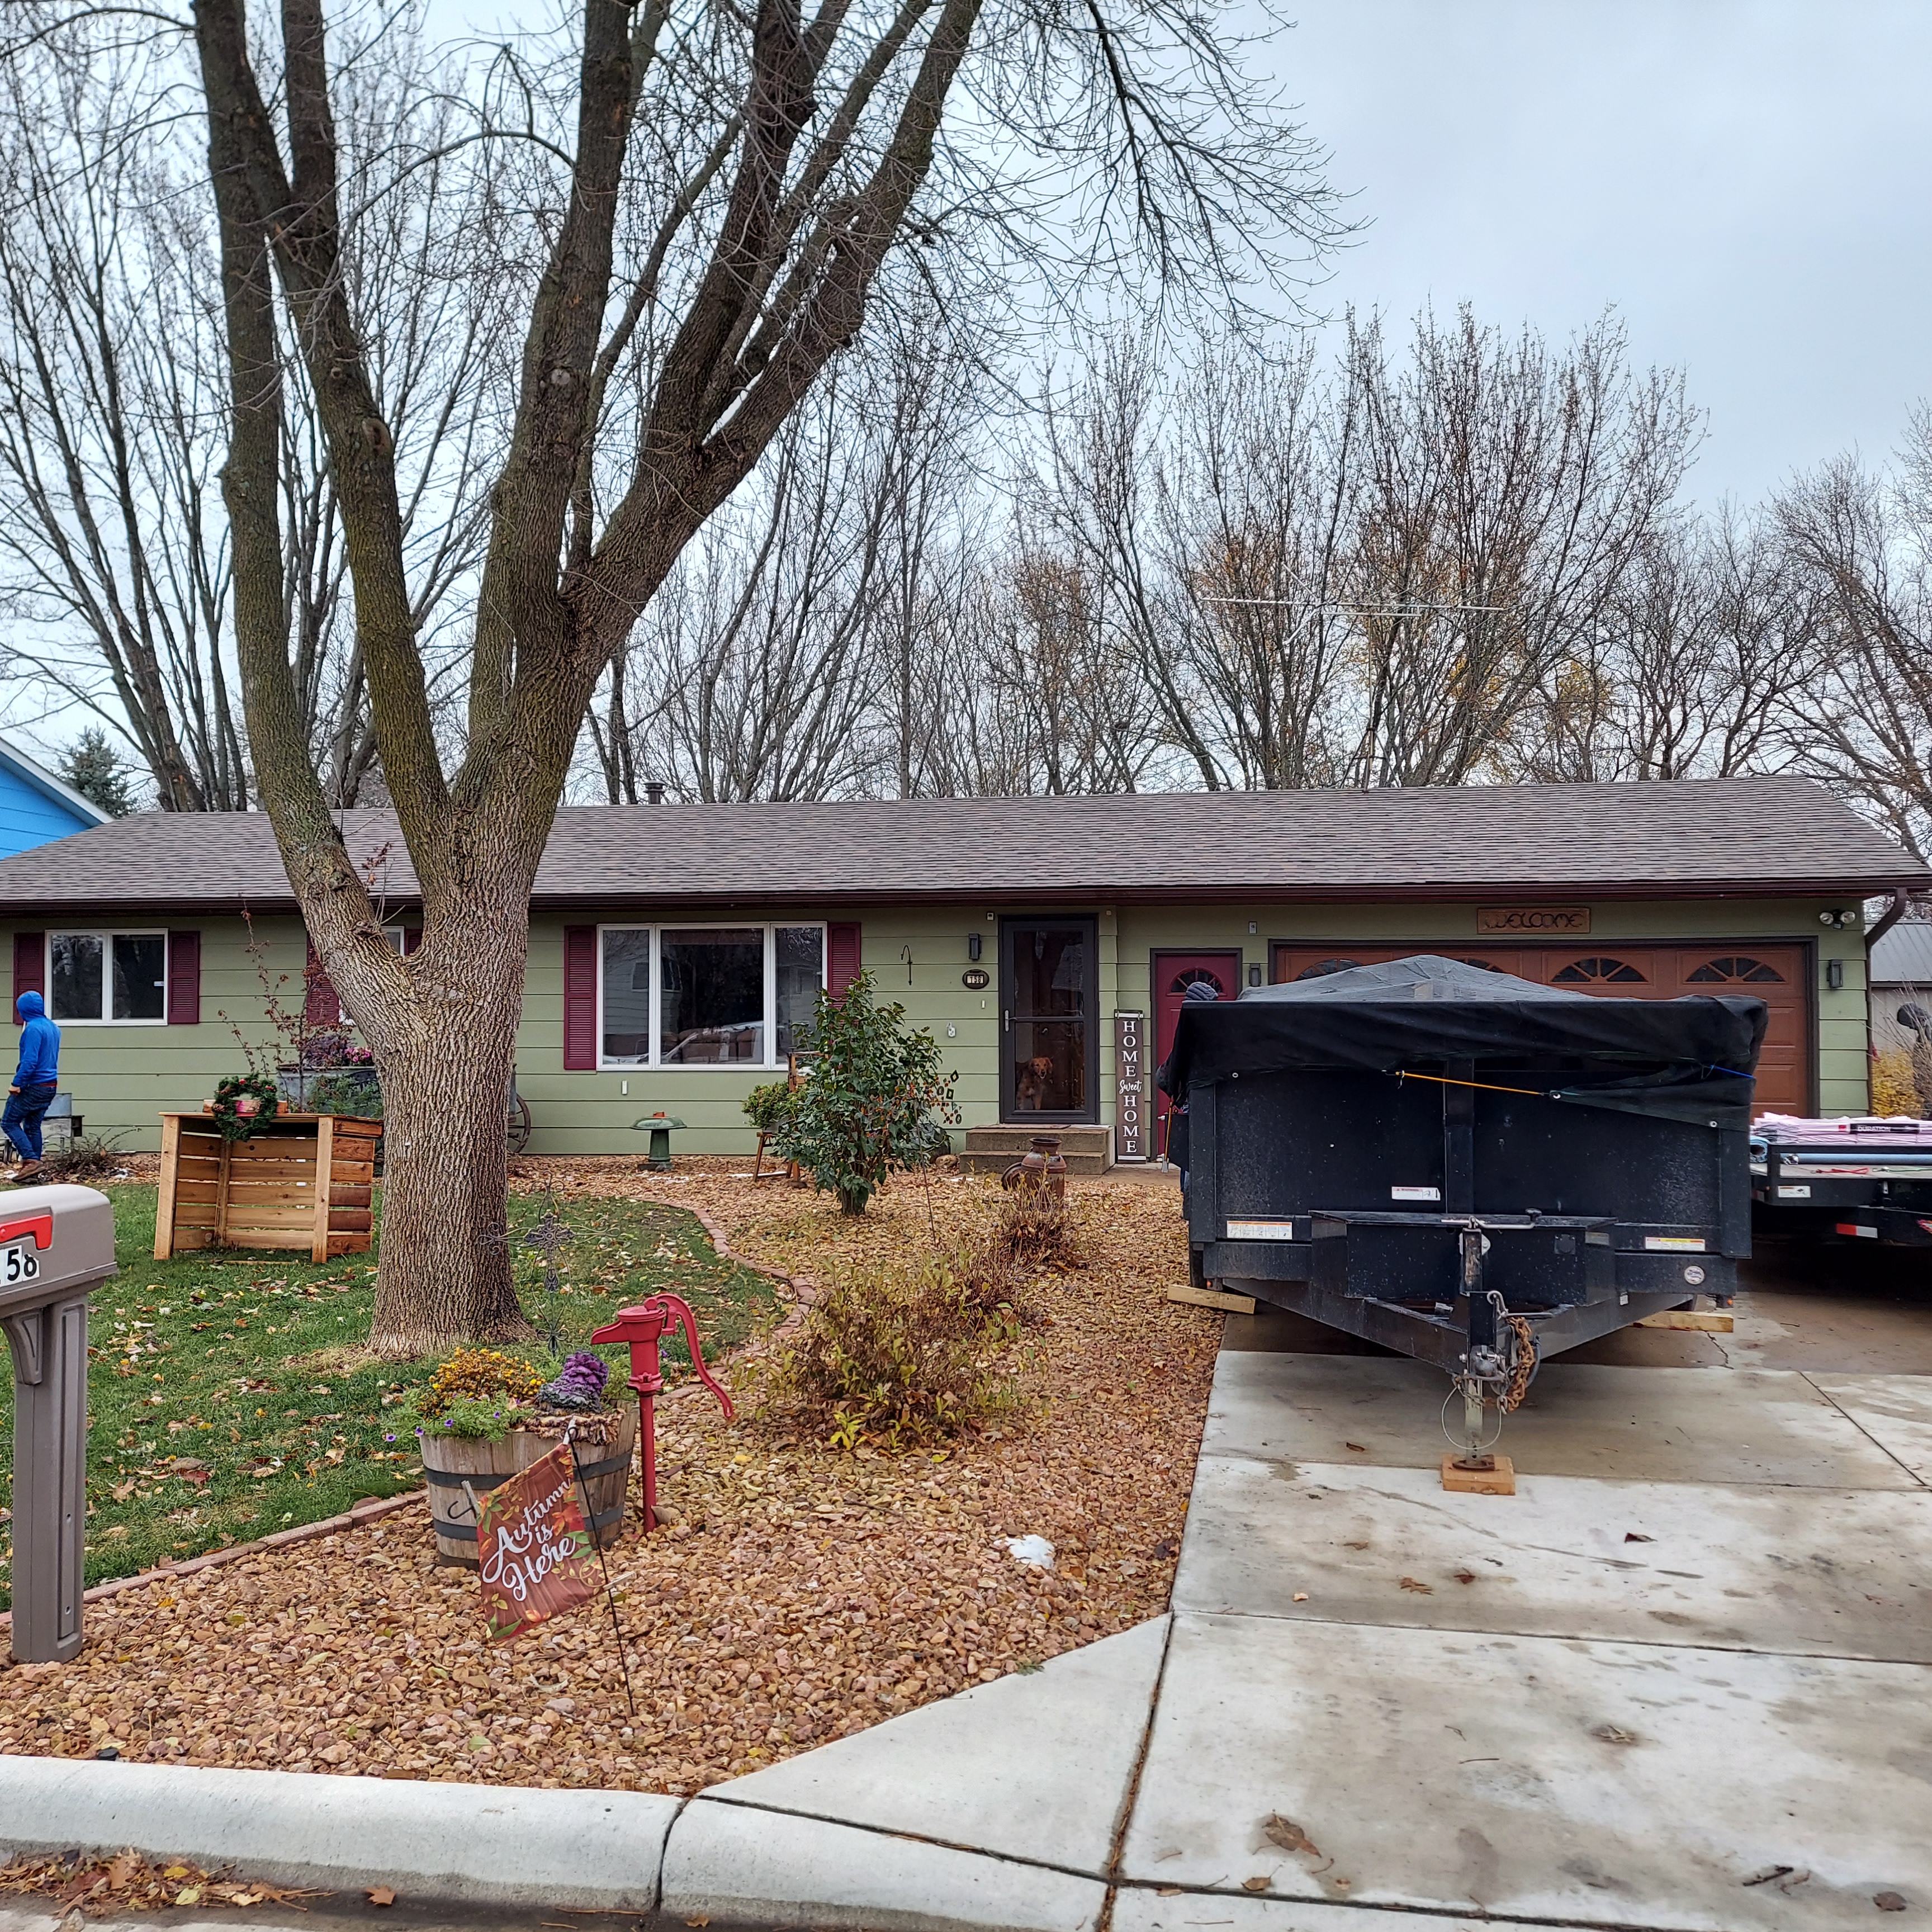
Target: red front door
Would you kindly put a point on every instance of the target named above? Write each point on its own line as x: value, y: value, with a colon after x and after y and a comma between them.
x: 1174, y: 973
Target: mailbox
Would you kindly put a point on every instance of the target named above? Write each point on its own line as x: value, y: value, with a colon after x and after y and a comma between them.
x: 56, y: 1244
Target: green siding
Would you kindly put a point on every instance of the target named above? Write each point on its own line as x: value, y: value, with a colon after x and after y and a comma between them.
x: 122, y: 1077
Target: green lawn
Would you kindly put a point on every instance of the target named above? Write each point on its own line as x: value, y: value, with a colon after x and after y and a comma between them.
x: 228, y: 1398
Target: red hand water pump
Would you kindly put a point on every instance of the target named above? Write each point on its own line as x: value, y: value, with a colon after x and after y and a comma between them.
x: 643, y: 1327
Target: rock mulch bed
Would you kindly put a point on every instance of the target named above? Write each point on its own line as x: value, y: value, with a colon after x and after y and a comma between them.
x: 801, y: 1594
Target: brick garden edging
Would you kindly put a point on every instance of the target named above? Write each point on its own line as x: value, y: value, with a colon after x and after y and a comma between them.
x: 804, y: 1291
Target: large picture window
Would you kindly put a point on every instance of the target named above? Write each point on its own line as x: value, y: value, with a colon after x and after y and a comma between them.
x: 706, y: 995
x: 98, y: 976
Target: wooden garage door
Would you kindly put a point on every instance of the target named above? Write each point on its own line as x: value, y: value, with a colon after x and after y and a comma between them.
x: 1775, y: 974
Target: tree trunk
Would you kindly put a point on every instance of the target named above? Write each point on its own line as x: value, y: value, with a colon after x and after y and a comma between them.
x: 445, y: 1274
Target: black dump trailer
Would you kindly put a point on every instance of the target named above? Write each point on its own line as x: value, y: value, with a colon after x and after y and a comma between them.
x: 1843, y: 1182
x: 1462, y: 1165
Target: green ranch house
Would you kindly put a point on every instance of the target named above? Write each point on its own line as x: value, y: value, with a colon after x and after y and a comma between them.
x: 676, y: 948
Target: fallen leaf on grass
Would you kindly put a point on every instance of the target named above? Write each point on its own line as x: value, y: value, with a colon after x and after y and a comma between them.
x: 381, y: 1895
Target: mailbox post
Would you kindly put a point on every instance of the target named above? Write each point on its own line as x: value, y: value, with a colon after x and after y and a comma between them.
x: 56, y: 1244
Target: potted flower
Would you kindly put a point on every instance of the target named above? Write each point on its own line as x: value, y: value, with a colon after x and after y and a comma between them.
x: 486, y: 1414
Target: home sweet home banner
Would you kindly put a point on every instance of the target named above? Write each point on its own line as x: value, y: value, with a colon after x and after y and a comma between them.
x: 532, y: 1546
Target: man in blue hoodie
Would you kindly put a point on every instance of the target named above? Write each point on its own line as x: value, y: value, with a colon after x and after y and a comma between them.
x: 32, y: 1092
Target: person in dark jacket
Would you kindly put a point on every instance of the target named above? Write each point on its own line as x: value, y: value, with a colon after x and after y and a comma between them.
x: 35, y: 1080
x: 1199, y: 994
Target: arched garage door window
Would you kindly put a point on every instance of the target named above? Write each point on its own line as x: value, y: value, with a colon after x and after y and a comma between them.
x: 1734, y: 970
x: 1597, y: 972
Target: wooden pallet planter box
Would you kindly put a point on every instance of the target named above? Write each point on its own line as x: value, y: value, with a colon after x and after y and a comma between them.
x: 301, y: 1181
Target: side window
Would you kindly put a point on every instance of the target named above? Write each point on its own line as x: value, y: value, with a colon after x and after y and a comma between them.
x: 1198, y: 976
x: 107, y: 976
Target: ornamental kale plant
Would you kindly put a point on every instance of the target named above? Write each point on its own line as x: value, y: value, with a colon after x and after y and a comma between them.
x: 874, y: 1098
x: 580, y: 1384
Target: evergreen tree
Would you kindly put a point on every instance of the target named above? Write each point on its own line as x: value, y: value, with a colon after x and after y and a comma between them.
x: 93, y: 764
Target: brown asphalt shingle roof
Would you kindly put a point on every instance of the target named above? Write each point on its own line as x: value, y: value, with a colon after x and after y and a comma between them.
x: 1757, y: 836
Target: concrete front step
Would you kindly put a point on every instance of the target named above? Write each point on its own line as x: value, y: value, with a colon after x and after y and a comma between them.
x: 993, y: 1150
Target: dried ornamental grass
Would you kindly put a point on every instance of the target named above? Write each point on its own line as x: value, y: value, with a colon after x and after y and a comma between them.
x: 891, y: 1356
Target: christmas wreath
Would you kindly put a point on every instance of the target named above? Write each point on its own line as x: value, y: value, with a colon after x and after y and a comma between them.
x: 235, y: 1124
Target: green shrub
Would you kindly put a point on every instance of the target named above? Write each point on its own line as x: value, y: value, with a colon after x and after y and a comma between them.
x: 874, y: 1098
x: 768, y: 1107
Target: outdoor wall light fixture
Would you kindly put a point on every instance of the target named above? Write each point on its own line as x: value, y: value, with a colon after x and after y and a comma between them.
x: 1254, y: 976
x: 1835, y: 975
x: 1842, y: 917
x: 972, y: 946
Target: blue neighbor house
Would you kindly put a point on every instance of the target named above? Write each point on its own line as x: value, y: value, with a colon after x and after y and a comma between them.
x: 35, y: 806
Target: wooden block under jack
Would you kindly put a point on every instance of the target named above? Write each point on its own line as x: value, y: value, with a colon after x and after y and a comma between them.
x: 1712, y: 1321
x: 1213, y: 1297
x: 1498, y: 1479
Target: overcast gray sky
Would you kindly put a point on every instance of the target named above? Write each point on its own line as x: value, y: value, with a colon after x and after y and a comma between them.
x: 1748, y: 181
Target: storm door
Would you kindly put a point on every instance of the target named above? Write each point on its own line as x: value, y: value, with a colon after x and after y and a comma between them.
x: 1049, y: 1033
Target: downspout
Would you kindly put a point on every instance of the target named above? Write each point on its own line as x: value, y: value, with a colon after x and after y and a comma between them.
x: 1901, y: 897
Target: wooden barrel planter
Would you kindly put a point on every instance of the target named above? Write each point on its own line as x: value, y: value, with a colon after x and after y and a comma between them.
x: 605, y: 1444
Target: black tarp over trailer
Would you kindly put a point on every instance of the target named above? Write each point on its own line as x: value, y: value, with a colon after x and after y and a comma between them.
x: 1365, y: 1144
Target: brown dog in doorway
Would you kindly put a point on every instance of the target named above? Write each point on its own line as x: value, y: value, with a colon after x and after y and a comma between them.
x: 1030, y: 1091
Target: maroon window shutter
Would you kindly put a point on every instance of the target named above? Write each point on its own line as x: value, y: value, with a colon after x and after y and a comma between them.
x: 580, y: 998
x: 183, y: 979
x: 324, y: 1005
x: 30, y: 966
x: 841, y: 958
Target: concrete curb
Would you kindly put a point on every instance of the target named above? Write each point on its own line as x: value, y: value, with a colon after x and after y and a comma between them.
x: 481, y: 1844
x: 731, y: 1862
x: 371, y: 1511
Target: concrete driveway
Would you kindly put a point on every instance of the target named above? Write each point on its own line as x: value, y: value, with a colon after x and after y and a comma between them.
x: 1682, y: 1680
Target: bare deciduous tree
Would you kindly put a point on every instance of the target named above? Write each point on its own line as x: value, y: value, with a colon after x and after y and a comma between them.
x: 688, y: 210
x: 1861, y: 544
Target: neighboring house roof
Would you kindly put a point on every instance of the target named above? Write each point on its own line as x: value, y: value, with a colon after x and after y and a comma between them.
x: 30, y: 772
x: 1903, y: 957
x: 1757, y: 837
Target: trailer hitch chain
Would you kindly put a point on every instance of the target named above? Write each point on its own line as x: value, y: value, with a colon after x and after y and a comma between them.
x: 1497, y: 1373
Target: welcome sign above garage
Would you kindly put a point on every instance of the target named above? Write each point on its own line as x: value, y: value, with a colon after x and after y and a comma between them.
x: 1550, y: 920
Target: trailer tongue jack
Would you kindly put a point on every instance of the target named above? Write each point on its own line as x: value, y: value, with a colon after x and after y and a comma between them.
x: 1495, y: 1372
